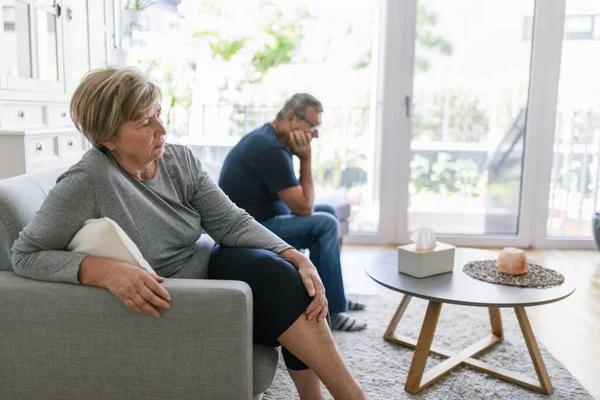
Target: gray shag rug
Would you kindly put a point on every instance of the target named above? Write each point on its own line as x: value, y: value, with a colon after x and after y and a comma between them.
x: 381, y: 367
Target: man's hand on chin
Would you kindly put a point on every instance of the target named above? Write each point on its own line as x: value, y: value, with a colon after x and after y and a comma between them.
x: 300, y: 144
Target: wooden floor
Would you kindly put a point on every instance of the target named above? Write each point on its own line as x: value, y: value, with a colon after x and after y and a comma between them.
x: 569, y: 329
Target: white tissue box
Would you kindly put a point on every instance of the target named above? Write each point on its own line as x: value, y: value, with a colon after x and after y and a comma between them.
x: 422, y: 263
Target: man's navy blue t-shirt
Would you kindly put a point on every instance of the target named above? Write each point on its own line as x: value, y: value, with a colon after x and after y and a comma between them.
x: 255, y: 170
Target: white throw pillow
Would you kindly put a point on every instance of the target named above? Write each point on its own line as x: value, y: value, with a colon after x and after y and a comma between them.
x: 104, y: 238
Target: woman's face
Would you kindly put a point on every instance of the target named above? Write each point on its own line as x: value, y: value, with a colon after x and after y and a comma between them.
x: 141, y: 141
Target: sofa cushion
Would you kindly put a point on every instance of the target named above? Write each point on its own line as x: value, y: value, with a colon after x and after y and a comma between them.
x: 20, y: 198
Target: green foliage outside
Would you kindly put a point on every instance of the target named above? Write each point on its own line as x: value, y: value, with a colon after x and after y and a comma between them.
x: 468, y: 118
x: 227, y: 49
x: 427, y: 39
x: 176, y: 87
x: 139, y: 5
x: 446, y: 176
x: 269, y: 42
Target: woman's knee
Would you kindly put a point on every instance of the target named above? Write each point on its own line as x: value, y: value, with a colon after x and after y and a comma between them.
x: 280, y: 272
x: 267, y: 271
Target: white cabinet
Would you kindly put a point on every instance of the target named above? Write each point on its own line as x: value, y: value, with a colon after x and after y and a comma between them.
x: 37, y: 136
x: 77, y: 51
x: 102, y: 33
x: 21, y: 114
x: 31, y: 45
x: 96, y: 21
x: 46, y: 47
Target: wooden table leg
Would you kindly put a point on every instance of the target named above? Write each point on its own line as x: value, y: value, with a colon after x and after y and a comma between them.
x: 496, y: 320
x: 534, y: 351
x: 418, y: 379
x: 389, y: 332
x: 417, y: 366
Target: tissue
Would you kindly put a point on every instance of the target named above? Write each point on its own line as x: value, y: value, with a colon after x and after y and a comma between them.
x: 424, y: 238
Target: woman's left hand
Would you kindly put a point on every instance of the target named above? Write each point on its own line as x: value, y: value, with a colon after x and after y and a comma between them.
x: 318, y: 307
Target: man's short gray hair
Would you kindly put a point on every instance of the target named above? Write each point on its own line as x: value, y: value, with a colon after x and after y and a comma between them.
x: 299, y: 103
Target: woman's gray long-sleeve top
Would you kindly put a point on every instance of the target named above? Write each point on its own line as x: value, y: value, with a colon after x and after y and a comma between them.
x: 164, y: 216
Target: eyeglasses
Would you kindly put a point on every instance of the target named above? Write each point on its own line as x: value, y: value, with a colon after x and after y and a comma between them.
x: 313, y: 127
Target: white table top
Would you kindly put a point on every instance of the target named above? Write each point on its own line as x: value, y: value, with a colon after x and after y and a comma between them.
x: 459, y: 288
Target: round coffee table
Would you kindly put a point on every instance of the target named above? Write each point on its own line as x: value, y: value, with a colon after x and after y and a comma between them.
x: 459, y: 288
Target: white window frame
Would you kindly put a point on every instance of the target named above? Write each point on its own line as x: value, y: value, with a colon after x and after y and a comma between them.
x: 392, y: 43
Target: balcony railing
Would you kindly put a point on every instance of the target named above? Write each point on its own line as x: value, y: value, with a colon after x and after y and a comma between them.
x: 234, y: 120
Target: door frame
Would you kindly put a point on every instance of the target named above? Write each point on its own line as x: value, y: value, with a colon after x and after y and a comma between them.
x: 390, y: 123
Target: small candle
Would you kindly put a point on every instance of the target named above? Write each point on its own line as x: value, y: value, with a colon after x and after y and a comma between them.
x: 512, y: 261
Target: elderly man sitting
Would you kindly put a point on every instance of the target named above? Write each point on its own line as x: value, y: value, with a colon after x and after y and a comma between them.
x: 258, y: 175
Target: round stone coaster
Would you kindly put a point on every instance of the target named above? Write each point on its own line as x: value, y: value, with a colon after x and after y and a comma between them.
x: 536, y: 275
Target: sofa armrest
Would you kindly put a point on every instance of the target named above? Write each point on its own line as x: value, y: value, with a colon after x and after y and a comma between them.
x: 72, y: 342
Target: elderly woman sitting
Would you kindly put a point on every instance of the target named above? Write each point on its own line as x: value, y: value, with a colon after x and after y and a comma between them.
x: 162, y: 198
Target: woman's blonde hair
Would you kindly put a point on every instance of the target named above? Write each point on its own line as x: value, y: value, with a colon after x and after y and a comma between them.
x: 106, y: 98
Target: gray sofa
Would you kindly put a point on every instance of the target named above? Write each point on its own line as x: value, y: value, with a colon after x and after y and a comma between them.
x: 65, y: 341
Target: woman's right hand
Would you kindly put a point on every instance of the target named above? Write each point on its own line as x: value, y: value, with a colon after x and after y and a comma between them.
x: 137, y: 288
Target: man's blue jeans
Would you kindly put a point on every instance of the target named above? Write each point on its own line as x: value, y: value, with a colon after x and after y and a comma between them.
x: 318, y: 233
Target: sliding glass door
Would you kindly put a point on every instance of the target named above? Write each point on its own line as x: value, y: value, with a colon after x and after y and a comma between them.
x: 469, y: 104
x: 477, y: 139
x: 573, y: 196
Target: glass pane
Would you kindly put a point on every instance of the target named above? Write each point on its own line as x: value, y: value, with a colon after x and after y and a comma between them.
x: 78, y: 50
x: 98, y: 44
x: 96, y: 13
x: 226, y: 67
x: 471, y: 78
x: 46, y: 45
x: 575, y: 179
x: 579, y: 27
x: 579, y: 24
x: 16, y: 41
x: 97, y: 48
